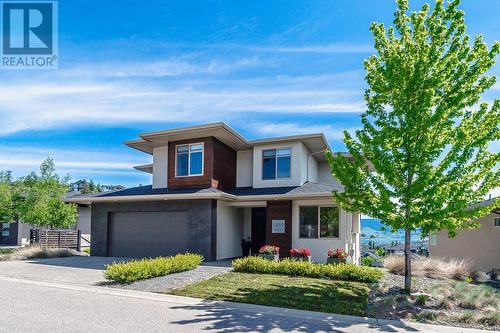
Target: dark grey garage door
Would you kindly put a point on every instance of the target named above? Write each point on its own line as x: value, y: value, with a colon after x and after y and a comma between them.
x: 147, y: 234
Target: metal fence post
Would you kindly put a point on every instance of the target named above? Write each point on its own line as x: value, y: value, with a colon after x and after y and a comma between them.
x: 79, y: 241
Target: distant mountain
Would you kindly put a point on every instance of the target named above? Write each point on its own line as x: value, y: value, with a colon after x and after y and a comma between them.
x: 373, y: 227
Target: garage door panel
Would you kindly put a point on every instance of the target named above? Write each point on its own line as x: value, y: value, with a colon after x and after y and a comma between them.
x: 147, y: 234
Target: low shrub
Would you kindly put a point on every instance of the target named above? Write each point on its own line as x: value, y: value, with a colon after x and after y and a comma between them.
x: 87, y: 250
x: 367, y: 261
x: 38, y: 252
x: 128, y: 272
x: 436, y: 268
x: 289, y: 267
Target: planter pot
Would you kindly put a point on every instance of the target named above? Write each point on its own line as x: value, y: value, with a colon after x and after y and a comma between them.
x: 300, y: 258
x: 273, y: 257
x: 335, y: 260
x: 245, y: 249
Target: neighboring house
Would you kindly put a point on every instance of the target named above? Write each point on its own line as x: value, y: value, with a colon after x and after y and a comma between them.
x: 211, y: 188
x: 78, y: 186
x: 482, y: 245
x: 14, y: 234
x: 108, y: 188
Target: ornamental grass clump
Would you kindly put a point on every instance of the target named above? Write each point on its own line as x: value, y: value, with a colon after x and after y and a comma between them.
x: 128, y: 272
x: 291, y: 267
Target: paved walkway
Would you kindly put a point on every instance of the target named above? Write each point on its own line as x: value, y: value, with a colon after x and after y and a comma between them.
x: 53, y: 307
x: 178, y: 280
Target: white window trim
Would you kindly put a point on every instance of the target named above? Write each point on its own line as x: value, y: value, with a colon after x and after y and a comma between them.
x: 319, y: 222
x: 275, y: 164
x: 189, y: 159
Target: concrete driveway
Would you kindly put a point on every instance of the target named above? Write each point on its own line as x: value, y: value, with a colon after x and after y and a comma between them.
x: 71, y: 270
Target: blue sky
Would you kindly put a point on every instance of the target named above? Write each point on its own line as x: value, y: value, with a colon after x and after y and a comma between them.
x: 267, y: 68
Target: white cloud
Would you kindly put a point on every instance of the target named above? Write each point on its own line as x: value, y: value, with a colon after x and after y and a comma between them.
x: 53, y: 104
x: 332, y: 133
x: 325, y: 48
x: 24, y: 159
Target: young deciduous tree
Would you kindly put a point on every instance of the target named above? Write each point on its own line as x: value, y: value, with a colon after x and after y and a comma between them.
x: 42, y: 203
x: 422, y: 158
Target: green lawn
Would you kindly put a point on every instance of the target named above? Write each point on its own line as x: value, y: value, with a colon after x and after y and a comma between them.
x: 283, y: 291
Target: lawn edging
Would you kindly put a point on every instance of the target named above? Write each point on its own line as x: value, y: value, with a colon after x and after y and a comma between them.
x: 347, y: 272
x: 135, y: 270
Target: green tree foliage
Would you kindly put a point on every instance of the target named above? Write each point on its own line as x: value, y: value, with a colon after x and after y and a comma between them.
x: 6, y: 201
x: 38, y: 198
x: 91, y: 187
x: 10, y: 197
x: 422, y: 158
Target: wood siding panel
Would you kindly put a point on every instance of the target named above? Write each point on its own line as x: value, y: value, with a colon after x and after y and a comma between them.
x: 280, y: 210
x: 202, y: 181
x: 219, y: 166
x: 224, y: 169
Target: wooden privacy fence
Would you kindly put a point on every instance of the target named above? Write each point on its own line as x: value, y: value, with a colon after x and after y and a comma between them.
x: 56, y: 238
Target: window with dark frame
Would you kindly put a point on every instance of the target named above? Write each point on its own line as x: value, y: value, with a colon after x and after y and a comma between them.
x: 497, y: 221
x: 189, y: 160
x: 276, y: 163
x: 319, y: 222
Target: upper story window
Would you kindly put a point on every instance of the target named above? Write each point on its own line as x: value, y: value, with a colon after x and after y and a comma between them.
x: 497, y: 221
x: 319, y: 222
x: 189, y: 160
x: 276, y: 163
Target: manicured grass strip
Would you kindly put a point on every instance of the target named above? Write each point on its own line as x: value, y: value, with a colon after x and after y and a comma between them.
x: 290, y: 267
x: 283, y: 291
x: 127, y: 272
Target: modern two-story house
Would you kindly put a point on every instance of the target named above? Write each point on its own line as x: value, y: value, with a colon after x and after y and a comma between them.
x: 211, y: 188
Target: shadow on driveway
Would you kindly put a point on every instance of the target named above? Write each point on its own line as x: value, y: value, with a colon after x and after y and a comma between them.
x: 224, y: 317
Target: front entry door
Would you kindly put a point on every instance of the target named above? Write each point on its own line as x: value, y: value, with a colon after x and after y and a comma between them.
x: 258, y: 228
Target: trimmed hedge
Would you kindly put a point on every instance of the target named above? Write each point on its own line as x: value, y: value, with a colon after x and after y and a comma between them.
x: 130, y: 271
x: 290, y: 267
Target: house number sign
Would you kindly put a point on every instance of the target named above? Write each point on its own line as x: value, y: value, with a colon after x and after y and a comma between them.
x: 278, y: 226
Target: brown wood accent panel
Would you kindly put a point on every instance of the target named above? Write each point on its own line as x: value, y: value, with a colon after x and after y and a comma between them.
x: 224, y: 169
x: 202, y: 181
x: 280, y: 210
x: 219, y: 166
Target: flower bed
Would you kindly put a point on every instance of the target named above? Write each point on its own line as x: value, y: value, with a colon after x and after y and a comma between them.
x: 303, y: 254
x: 338, y: 256
x: 269, y: 252
x: 290, y: 267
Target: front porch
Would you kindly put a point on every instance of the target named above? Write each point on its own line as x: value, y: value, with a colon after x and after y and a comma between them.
x: 287, y: 224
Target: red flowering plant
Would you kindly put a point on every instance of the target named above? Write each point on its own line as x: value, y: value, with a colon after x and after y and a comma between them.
x: 338, y: 253
x: 269, y: 249
x: 302, y: 252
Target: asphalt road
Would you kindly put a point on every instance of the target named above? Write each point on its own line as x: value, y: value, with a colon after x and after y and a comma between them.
x: 60, y: 295
x: 32, y: 306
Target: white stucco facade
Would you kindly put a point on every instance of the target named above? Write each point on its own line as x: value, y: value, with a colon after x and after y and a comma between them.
x: 244, y: 168
x: 160, y: 167
x: 349, y: 236
x: 230, y: 229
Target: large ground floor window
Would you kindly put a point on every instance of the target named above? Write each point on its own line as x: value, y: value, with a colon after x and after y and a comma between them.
x: 319, y: 222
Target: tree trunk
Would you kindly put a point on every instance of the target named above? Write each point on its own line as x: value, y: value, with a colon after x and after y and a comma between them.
x: 407, y: 259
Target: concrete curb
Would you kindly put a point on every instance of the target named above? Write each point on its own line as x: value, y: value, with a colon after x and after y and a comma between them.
x: 382, y: 324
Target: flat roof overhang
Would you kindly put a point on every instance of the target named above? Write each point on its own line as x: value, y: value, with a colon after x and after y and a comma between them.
x: 315, y: 143
x: 241, y: 201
